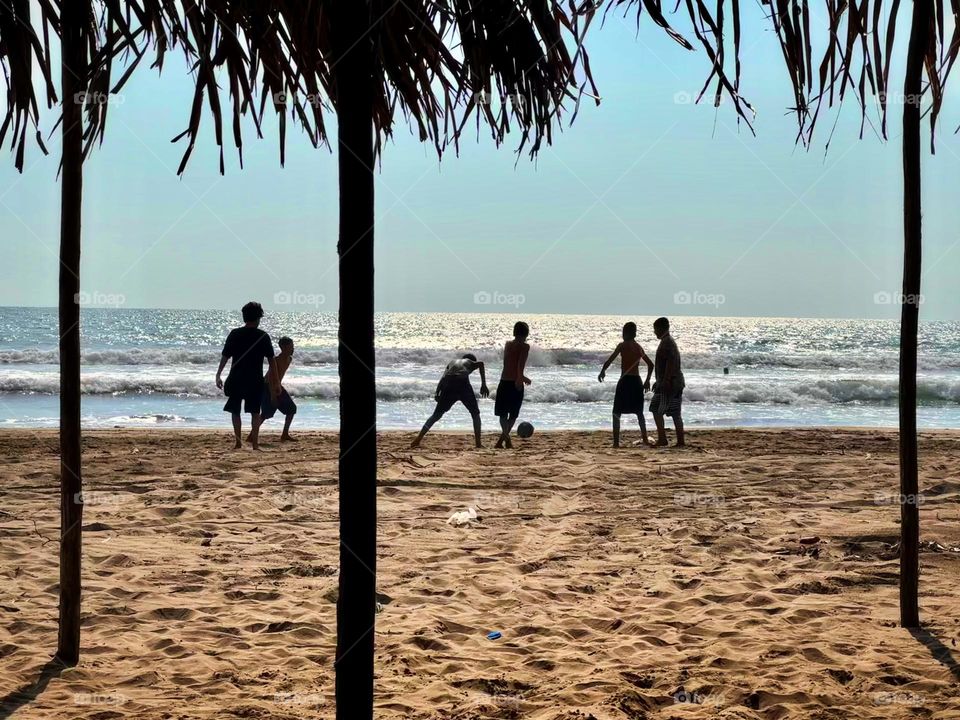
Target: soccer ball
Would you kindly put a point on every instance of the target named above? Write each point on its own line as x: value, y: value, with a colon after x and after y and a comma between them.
x: 524, y: 430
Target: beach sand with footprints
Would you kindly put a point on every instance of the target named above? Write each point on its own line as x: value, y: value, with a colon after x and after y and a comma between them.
x: 752, y: 575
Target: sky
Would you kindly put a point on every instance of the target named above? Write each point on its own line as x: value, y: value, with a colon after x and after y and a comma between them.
x: 648, y: 204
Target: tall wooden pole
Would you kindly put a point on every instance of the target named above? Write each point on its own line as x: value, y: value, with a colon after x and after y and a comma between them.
x: 910, y: 316
x: 73, y: 71
x: 356, y: 607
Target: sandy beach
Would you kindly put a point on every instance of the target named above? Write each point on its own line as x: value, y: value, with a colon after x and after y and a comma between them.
x: 751, y: 575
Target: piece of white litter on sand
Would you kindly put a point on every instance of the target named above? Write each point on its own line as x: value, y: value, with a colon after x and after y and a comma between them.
x: 462, y: 517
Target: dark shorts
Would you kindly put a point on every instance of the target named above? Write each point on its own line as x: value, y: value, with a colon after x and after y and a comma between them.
x: 248, y: 393
x: 628, y: 399
x: 664, y: 405
x: 285, y: 404
x: 509, y: 399
x: 456, y: 390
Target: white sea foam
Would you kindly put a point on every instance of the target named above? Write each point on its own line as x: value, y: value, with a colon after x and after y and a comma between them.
x: 578, y: 389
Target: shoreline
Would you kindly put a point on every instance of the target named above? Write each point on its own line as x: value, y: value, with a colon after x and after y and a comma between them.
x: 630, y: 430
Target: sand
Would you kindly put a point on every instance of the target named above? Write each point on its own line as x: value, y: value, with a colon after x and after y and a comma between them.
x: 636, y: 583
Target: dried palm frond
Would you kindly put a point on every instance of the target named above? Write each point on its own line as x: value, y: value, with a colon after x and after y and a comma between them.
x: 710, y: 30
x: 21, y: 47
x: 857, y: 40
x: 509, y: 64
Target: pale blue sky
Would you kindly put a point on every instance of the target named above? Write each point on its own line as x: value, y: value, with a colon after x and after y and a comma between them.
x: 642, y: 200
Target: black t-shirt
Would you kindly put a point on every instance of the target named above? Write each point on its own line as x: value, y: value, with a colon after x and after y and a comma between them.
x: 248, y: 347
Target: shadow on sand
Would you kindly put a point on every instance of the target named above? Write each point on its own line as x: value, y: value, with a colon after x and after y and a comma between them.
x: 25, y: 695
x: 940, y: 652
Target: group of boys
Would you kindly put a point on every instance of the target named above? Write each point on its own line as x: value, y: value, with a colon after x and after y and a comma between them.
x: 247, y: 389
x: 628, y: 399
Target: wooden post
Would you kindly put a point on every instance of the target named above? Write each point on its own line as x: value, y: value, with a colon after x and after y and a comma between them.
x: 73, y: 73
x: 909, y: 317
x: 356, y: 606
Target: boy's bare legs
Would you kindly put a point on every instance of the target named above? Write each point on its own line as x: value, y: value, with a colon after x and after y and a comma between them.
x: 476, y: 430
x: 616, y: 430
x: 506, y: 425
x: 237, y: 427
x: 661, y: 432
x: 254, y: 437
x: 426, y: 428
x: 285, y: 437
x: 643, y: 429
x: 678, y: 426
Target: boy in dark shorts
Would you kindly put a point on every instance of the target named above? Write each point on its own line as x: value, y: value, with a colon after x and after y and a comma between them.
x: 510, y: 390
x: 285, y: 403
x: 455, y: 387
x: 248, y: 346
x: 668, y: 390
x: 629, y: 396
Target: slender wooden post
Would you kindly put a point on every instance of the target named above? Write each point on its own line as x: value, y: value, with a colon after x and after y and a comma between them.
x: 909, y: 317
x: 356, y: 606
x: 73, y: 70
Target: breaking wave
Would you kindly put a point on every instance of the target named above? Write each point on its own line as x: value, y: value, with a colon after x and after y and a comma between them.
x: 867, y: 390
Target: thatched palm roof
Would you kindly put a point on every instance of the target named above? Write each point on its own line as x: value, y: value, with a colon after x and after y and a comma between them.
x: 510, y: 65
x: 832, y: 52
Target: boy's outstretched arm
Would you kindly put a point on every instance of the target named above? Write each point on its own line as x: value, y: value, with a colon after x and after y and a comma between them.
x: 613, y: 356
x: 484, y: 390
x: 649, y: 362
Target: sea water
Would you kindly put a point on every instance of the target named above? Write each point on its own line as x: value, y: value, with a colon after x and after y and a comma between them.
x: 156, y: 368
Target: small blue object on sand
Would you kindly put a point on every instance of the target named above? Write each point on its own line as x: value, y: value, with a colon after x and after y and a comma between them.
x: 495, y: 635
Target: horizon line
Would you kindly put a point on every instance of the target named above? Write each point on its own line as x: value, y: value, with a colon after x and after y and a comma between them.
x: 55, y: 308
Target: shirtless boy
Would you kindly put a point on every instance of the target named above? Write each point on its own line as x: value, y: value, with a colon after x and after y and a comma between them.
x: 284, y: 403
x: 629, y: 396
x: 510, y: 390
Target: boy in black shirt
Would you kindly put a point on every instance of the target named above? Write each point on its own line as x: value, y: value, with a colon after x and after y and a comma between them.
x: 248, y: 346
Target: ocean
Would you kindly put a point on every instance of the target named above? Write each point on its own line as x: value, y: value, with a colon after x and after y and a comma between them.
x: 155, y: 368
